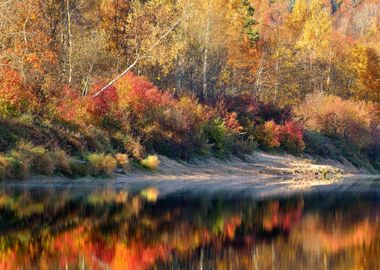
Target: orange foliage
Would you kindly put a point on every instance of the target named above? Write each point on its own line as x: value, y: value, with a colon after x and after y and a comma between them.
x: 137, y: 257
x: 270, y: 134
x: 70, y: 106
x: 334, y: 116
x: 14, y: 94
x: 232, y: 123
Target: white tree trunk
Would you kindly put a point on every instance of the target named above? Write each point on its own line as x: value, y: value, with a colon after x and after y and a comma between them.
x: 205, y: 60
x: 69, y: 43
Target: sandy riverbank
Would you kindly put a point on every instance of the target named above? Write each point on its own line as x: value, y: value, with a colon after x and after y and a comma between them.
x: 258, y: 175
x: 258, y: 164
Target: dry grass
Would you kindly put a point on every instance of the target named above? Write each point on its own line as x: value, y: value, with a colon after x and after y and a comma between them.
x: 61, y: 162
x: 12, y: 168
x: 35, y: 157
x: 101, y: 164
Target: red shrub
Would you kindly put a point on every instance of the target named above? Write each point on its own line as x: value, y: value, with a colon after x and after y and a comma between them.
x: 141, y: 95
x: 292, y: 136
x: 244, y: 105
x: 105, y: 102
x: 68, y: 103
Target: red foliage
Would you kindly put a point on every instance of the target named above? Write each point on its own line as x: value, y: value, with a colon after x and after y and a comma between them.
x: 105, y: 101
x: 270, y: 111
x: 292, y: 136
x: 141, y: 94
x: 69, y: 103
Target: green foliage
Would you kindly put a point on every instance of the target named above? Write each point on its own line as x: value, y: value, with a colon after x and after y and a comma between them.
x: 250, y: 22
x: 218, y: 136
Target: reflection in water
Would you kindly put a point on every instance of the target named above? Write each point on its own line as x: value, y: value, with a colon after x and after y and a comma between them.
x: 114, y: 229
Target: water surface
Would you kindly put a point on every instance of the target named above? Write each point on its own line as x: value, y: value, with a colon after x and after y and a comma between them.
x: 116, y: 228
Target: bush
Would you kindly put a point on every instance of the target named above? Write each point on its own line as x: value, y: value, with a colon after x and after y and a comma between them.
x: 6, y: 170
x: 78, y: 168
x: 43, y: 164
x: 11, y: 168
x: 269, y: 111
x: 122, y: 161
x: 292, y: 137
x: 219, y: 137
x: 151, y: 162
x: 335, y: 117
x: 134, y: 147
x: 318, y: 144
x: 101, y: 164
x: 62, y: 162
x: 269, y: 135
x: 20, y: 168
x: 37, y: 157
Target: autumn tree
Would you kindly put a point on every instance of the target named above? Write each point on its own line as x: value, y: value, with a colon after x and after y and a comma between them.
x: 365, y: 65
x: 315, y: 37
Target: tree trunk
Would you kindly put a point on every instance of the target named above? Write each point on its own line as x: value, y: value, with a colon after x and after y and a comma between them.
x: 205, y: 59
x: 259, y: 76
x: 69, y: 43
x: 277, y: 83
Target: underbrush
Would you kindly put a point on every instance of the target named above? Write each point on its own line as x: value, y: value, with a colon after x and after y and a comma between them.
x: 101, y: 164
x: 340, y: 129
x: 133, y: 121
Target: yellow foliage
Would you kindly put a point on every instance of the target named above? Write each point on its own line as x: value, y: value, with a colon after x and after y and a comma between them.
x: 270, y: 136
x: 151, y: 162
x: 365, y: 64
x: 298, y: 15
x: 317, y: 30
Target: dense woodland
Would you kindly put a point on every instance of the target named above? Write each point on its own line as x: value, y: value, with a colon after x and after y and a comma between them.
x: 87, y: 85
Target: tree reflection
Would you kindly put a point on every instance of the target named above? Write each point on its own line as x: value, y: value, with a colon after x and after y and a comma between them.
x: 115, y: 229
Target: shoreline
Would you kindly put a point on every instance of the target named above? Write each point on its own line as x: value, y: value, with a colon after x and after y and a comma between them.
x: 259, y: 175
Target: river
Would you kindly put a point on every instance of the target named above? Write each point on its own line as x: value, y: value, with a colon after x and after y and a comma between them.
x: 143, y: 227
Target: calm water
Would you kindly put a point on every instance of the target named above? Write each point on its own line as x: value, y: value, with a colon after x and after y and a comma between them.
x: 116, y: 229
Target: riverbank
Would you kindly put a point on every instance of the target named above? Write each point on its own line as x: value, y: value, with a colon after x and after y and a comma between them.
x: 258, y: 175
x: 256, y: 164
